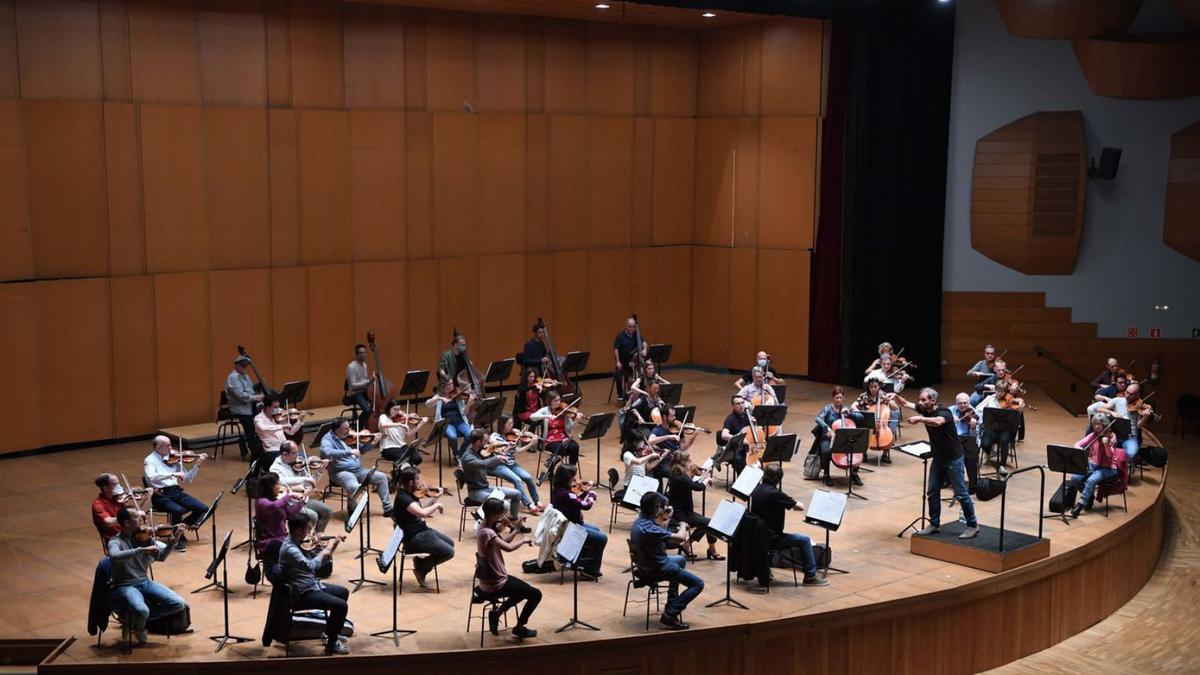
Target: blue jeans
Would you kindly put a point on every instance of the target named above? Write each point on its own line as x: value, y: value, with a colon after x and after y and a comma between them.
x: 593, y: 549
x: 802, y: 543
x: 674, y: 573
x: 1131, y: 446
x: 952, y: 470
x: 360, y: 399
x: 1087, y: 484
x: 520, y: 478
x: 146, y: 600
x: 456, y: 431
x: 176, y: 502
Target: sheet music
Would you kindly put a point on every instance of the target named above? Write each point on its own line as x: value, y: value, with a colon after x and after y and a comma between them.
x: 638, y: 486
x: 727, y: 516
x: 496, y: 493
x: 919, y: 449
x: 571, y: 543
x: 827, y: 508
x: 358, y: 511
x: 389, y: 552
x: 747, y: 480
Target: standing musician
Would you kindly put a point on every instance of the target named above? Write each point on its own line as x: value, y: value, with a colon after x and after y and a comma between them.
x: 410, y: 515
x: 983, y: 367
x: 685, y: 479
x: 239, y: 392
x: 345, y: 465
x: 762, y: 360
x: 649, y: 374
x: 450, y: 404
x: 668, y: 442
x: 272, y: 428
x: 1104, y: 462
x: 131, y: 553
x: 529, y: 396
x: 758, y: 387
x: 357, y: 380
x: 507, y: 442
x: 1000, y: 437
x: 873, y: 400
x: 165, y: 478
x: 454, y: 361
x: 1108, y: 375
x: 946, y: 462
x: 737, y: 420
x: 651, y: 539
x: 823, y: 432
x: 496, y: 535
x: 888, y: 373
x: 966, y: 425
x: 272, y: 509
x: 400, y: 430
x: 770, y: 503
x: 560, y: 422
x: 571, y: 497
x: 302, y: 480
x: 535, y: 355
x: 625, y: 351
x: 299, y: 567
x: 1131, y: 407
x: 475, y: 468
x: 105, y: 507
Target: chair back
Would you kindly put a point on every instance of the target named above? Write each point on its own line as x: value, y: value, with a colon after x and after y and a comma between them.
x: 1188, y: 405
x: 223, y: 408
x: 483, y: 571
x: 637, y: 558
x: 460, y: 480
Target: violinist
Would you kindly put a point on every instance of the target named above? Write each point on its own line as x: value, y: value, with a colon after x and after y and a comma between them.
x: 168, y: 495
x: 770, y: 503
x: 295, y: 473
x: 1108, y: 393
x: 1108, y: 375
x: 651, y: 539
x: 529, y: 396
x: 639, y: 459
x: 834, y: 411
x: 668, y: 442
x: 988, y: 384
x: 299, y: 566
x: 450, y: 404
x: 644, y: 411
x: 1131, y: 407
x: 131, y: 553
x: 273, y: 427
x: 885, y: 349
x: 495, y: 536
x: 242, y: 399
x: 572, y: 497
x: 358, y: 378
x: 400, y: 431
x: 105, y: 507
x: 346, y: 469
x: 999, y: 437
x: 625, y: 353
x: 873, y: 400
x: 888, y: 373
x: 946, y: 461
x: 966, y: 424
x: 1105, y: 459
x: 559, y: 424
x: 649, y: 374
x: 410, y: 515
x: 535, y: 355
x: 685, y: 479
x: 274, y: 505
x: 983, y: 367
x: 761, y: 360
x: 509, y: 442
x: 475, y: 468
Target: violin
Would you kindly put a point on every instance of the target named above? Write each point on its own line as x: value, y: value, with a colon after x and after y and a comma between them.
x: 147, y: 535
x: 136, y: 494
x: 422, y: 491
x: 570, y: 412
x: 508, y: 523
x: 664, y: 516
x: 581, y: 487
x: 1142, y: 407
x: 292, y: 415
x: 355, y: 439
x: 901, y: 361
x: 494, y: 447
x: 1010, y: 402
x: 315, y: 541
x: 543, y: 383
x: 310, y: 464
x: 184, y: 456
x: 515, y: 436
x: 687, y: 428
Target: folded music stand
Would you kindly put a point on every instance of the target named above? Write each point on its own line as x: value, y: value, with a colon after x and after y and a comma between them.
x: 414, y: 384
x: 499, y: 371
x: 671, y: 393
x: 853, y: 442
x: 221, y: 558
x: 659, y: 354
x: 1066, y: 459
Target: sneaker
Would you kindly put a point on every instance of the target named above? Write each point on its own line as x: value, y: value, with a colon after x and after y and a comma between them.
x: 525, y: 530
x: 673, y: 622
x: 494, y: 621
x: 142, y: 636
x: 828, y: 481
x: 971, y: 532
x: 931, y: 529
x: 521, y: 632
x: 420, y: 576
x: 181, y: 546
x: 1075, y: 510
x: 815, y: 580
x: 962, y: 519
x: 338, y: 647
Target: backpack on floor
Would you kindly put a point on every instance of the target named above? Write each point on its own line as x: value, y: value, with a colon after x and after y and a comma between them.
x: 1064, y: 498
x: 309, y: 624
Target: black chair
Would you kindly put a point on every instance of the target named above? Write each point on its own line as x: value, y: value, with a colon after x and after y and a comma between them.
x: 467, y: 505
x: 1187, y: 409
x: 638, y: 579
x: 281, y: 594
x: 229, y: 429
x: 776, y: 547
x: 404, y: 555
x: 485, y: 600
x: 351, y: 408
x: 617, y: 503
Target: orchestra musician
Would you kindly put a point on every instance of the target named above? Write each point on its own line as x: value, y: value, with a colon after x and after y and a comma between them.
x: 302, y: 480
x: 272, y: 509
x: 572, y: 497
x: 1105, y: 458
x: 758, y: 387
x: 131, y: 556
x: 496, y: 535
x: 998, y: 436
x: 346, y: 469
x: 1108, y: 375
x: 642, y: 410
x: 885, y: 349
x: 625, y: 350
x: 983, y: 367
x: 770, y: 503
x: 639, y: 459
x: 358, y: 378
x: 652, y: 540
x: 454, y: 361
x: 168, y: 494
x: 272, y: 428
x: 398, y: 443
x: 105, y: 507
x: 761, y: 360
x: 872, y: 400
x: 888, y: 373
x: 475, y: 468
x: 1131, y: 407
x: 450, y: 404
x: 560, y: 422
x: 508, y: 443
x: 649, y: 374
x: 535, y: 355
x: 529, y: 396
x: 988, y: 384
x: 299, y: 567
x: 966, y: 424
x: 241, y: 397
x: 823, y: 432
x: 736, y: 421
x: 410, y: 515
x: 946, y: 462
x: 685, y: 479
x: 668, y: 442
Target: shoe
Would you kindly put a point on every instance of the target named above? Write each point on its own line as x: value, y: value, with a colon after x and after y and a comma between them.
x: 521, y: 632
x: 855, y: 479
x: 590, y: 576
x: 828, y: 481
x: 525, y: 530
x: 387, y: 513
x: 673, y: 622
x: 338, y: 647
x: 815, y: 581
x: 181, y: 546
x: 1075, y: 510
x: 142, y: 636
x: 971, y: 532
x: 713, y: 556
x: 494, y: 621
x: 926, y: 531
x: 887, y: 458
x: 420, y: 576
x: 962, y: 519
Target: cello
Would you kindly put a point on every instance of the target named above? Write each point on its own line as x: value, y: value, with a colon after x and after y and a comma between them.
x: 563, y: 382
x: 845, y: 460
x: 266, y: 389
x: 881, y: 437
x: 379, y: 390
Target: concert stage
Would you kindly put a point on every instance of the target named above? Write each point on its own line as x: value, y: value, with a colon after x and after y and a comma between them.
x: 891, y: 613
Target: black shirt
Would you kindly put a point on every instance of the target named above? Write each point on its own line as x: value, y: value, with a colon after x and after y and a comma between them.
x: 626, y: 345
x: 944, y: 439
x: 771, y: 504
x: 411, y: 524
x: 533, y: 354
x: 645, y: 407
x: 679, y: 492
x: 734, y: 423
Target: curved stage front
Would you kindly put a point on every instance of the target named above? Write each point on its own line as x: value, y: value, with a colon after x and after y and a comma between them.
x: 893, y: 612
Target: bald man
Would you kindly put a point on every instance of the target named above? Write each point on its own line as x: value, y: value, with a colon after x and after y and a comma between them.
x: 166, y: 479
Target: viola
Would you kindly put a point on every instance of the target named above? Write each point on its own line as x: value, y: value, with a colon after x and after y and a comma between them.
x: 146, y: 535
x: 687, y: 428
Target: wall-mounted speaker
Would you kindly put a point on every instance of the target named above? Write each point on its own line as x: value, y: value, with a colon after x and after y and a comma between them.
x: 1110, y: 159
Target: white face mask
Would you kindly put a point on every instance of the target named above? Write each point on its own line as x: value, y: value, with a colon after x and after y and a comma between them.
x: 762, y: 363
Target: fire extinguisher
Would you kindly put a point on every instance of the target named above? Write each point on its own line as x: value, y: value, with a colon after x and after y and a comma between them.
x: 1153, y: 377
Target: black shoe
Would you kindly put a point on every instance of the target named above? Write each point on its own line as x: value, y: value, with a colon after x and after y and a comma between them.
x: 522, y: 632
x: 673, y: 622
x: 494, y: 621
x: 525, y: 530
x: 828, y: 481
x: 1076, y: 509
x: 387, y: 513
x: 181, y: 546
x: 887, y: 458
x: 855, y: 479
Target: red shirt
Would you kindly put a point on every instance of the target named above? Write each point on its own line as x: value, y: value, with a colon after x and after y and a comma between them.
x: 532, y: 401
x: 104, y: 507
x: 556, y: 429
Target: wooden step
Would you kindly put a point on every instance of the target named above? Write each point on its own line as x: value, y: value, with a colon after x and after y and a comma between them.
x: 955, y: 314
x: 992, y: 299
x: 995, y: 331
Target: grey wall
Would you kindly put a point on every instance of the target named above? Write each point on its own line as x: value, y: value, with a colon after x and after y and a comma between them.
x: 1124, y: 268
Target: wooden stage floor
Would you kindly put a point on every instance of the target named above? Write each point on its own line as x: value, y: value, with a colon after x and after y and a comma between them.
x: 51, y: 547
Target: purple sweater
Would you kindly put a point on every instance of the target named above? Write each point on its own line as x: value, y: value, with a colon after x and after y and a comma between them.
x: 271, y: 516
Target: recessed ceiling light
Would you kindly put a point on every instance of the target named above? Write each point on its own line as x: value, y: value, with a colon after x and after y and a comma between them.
x: 602, y: 6
x: 709, y: 15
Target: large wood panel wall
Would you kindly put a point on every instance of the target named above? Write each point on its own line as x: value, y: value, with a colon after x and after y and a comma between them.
x: 181, y: 177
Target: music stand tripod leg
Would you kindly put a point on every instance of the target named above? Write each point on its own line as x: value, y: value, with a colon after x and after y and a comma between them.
x: 575, y: 621
x: 1063, y: 515
x: 825, y: 572
x: 728, y: 599
x: 924, y: 487
x: 225, y: 637
x: 394, y: 632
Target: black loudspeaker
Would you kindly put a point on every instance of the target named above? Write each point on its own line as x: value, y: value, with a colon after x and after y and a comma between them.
x: 1110, y: 159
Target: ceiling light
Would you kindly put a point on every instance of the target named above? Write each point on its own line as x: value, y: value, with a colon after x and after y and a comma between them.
x: 602, y: 6
x: 709, y: 15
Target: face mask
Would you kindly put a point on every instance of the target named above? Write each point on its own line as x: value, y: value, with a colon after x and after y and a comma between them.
x: 762, y: 363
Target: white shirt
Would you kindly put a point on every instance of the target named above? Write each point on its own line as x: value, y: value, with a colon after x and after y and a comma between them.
x: 161, y: 475
x: 632, y: 469
x: 288, y: 476
x: 751, y: 390
x: 393, y: 434
x: 880, y: 375
x: 269, y: 432
x: 356, y: 376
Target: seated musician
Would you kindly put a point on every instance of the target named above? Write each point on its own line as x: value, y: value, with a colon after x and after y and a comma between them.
x: 888, y: 373
x: 358, y: 378
x: 736, y: 421
x: 987, y: 385
x: 639, y: 459
x: 625, y: 351
x: 511, y: 470
x: 528, y: 398
x: 301, y: 480
x: 168, y: 494
x: 1108, y: 375
x: 298, y: 568
x: 685, y: 479
x: 832, y: 412
x: 346, y: 469
x: 762, y: 360
x: 495, y: 536
x: 272, y: 509
x: 983, y: 367
x: 475, y: 468
x: 399, y: 436
x: 668, y: 442
x: 450, y: 404
x: 559, y: 425
x: 572, y: 497
x: 643, y: 411
x: 1104, y: 462
x: 1131, y: 407
x: 651, y: 539
x: 649, y: 374
x: 272, y: 427
x: 132, y: 588
x: 535, y: 356
x: 105, y: 507
x: 770, y: 503
x: 758, y: 392
x: 872, y: 400
x: 998, y: 436
x: 885, y: 349
x: 410, y: 515
x: 966, y: 424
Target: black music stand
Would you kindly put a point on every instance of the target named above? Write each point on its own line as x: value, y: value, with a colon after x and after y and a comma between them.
x: 574, y: 546
x: 854, y: 442
x: 211, y: 516
x: 1122, y: 428
x: 826, y: 510
x: 237, y: 485
x: 597, y: 428
x: 727, y: 537
x: 488, y: 411
x: 659, y: 354
x: 780, y: 392
x: 685, y: 413
x: 1001, y: 418
x: 922, y: 451
x: 364, y: 492
x: 294, y: 392
x: 321, y: 431
x: 1066, y: 459
x: 671, y: 393
x: 499, y: 371
x: 351, y: 522
x: 769, y: 415
x: 387, y: 559
x: 414, y: 384
x: 730, y: 452
x: 436, y: 434
x: 780, y: 448
x: 575, y: 362
x: 221, y: 558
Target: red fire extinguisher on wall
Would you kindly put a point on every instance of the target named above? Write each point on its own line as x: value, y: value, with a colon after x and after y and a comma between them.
x: 1152, y: 378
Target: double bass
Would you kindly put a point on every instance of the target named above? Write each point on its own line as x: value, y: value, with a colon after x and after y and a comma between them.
x: 470, y: 380
x: 555, y: 371
x: 262, y: 382
x: 379, y: 391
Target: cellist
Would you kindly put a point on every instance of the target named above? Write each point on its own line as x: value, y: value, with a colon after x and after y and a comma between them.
x: 823, y: 433
x: 873, y: 400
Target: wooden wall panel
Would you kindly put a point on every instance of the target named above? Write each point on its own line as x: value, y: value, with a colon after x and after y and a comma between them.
x: 58, y: 49
x: 183, y: 350
x: 643, y: 181
x: 609, y: 69
x: 67, y: 200
x: 455, y: 185
x: 426, y: 338
x: 567, y: 203
x: 450, y: 54
x: 164, y: 52
x: 610, y: 160
x: 713, y: 211
x: 720, y: 83
x: 787, y: 188
x: 239, y: 312
x: 502, y: 183
x: 10, y: 76
x: 537, y: 182
x: 458, y: 304
x: 114, y: 50
x: 673, y: 80
x: 16, y: 239
x: 743, y: 312
x: 674, y: 310
x: 504, y: 321
x: 75, y: 350
x: 173, y: 180
x: 331, y: 309
x: 237, y: 181
x: 134, y: 355
x: 376, y: 184
x: 570, y: 316
x: 608, y: 294
x: 374, y: 52
x: 324, y: 234
x: 19, y: 360
x: 783, y: 297
x: 290, y: 325
x: 418, y: 172
x: 1181, y: 210
x: 645, y: 292
x: 674, y: 167
x: 1067, y: 18
x: 747, y: 180
x: 233, y: 53
x: 712, y: 297
x: 123, y: 174
x: 791, y: 67
x: 284, y: 163
x: 566, y: 63
x: 381, y: 305
x: 316, y: 51
x: 415, y: 59
x: 279, y: 52
x: 500, y: 64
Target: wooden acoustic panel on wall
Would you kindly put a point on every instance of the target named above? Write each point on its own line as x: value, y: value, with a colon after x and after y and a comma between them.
x: 1141, y: 66
x: 1067, y: 18
x: 1181, y: 214
x: 1027, y: 194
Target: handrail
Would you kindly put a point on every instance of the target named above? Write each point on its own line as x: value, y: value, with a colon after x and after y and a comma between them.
x: 1041, y: 500
x: 1042, y: 351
